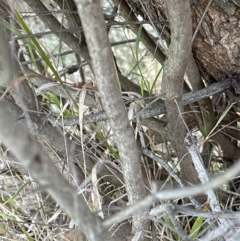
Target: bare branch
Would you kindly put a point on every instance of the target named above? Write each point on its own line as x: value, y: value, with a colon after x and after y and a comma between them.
x: 171, y: 172
x: 193, y: 212
x: 190, y: 143
x: 52, y: 23
x: 179, y: 15
x: 52, y: 139
x: 107, y: 82
x: 150, y: 111
x: 30, y: 154
x: 78, y: 47
x: 145, y: 38
x: 175, y: 194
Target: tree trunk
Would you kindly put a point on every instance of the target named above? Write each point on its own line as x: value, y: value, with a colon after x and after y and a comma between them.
x: 216, y: 52
x: 216, y: 45
x: 215, y: 55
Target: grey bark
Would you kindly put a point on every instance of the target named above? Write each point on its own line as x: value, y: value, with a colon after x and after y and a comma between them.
x: 109, y: 89
x: 30, y: 154
x: 174, y: 68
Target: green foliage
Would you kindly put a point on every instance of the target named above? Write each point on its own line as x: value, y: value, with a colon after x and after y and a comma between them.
x: 196, y: 227
x: 55, y: 104
x: 102, y: 138
x: 138, y: 42
x: 10, y: 200
x: 36, y: 45
x: 221, y: 118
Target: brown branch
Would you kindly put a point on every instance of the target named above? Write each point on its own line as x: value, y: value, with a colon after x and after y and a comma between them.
x: 179, y: 15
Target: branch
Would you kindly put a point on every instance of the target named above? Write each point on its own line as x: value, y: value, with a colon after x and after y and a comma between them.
x: 107, y: 81
x: 175, y: 194
x: 5, y: 60
x: 190, y: 143
x: 54, y: 141
x: 171, y: 172
x: 53, y: 24
x: 179, y: 15
x: 193, y: 212
x: 145, y: 38
x: 30, y: 154
x: 150, y: 111
x: 71, y: 41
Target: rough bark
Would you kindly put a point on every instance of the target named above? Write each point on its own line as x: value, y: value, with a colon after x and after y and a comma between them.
x: 215, y: 46
x: 215, y: 50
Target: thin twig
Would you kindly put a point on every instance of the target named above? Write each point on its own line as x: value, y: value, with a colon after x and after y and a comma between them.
x: 190, y: 143
x: 200, y: 22
x: 174, y: 194
x: 159, y: 109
